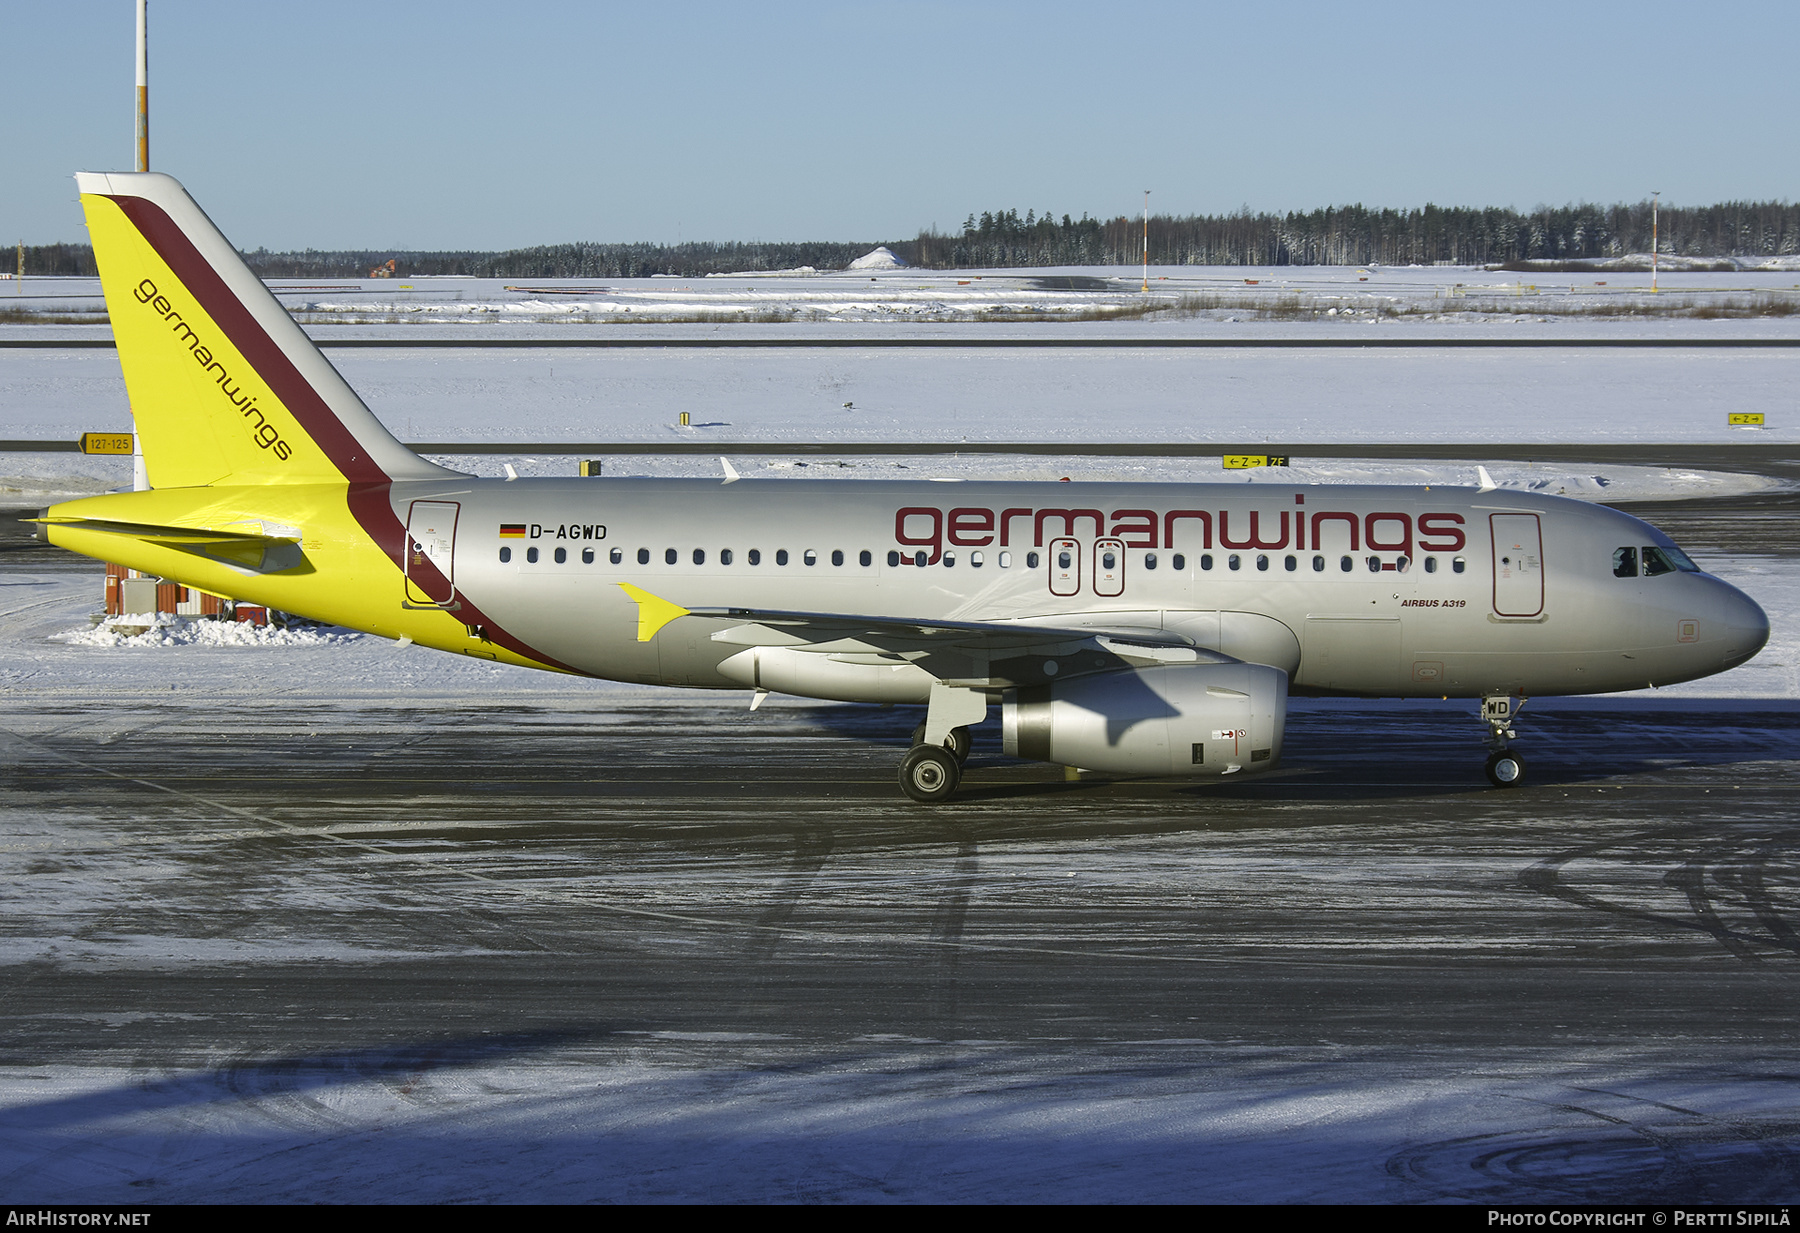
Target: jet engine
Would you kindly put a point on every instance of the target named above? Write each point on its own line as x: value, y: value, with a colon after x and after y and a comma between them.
x: 1176, y: 719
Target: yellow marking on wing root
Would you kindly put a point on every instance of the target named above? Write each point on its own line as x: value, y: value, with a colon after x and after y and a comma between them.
x: 653, y: 612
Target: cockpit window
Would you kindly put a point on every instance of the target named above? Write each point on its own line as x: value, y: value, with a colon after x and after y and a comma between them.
x: 1624, y: 562
x: 1667, y: 561
x: 1681, y: 560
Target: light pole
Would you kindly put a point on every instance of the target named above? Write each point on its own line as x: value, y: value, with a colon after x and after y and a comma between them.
x: 1146, y: 239
x: 143, y: 85
x: 1654, y: 199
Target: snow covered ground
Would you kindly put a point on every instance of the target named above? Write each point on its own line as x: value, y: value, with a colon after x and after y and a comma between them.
x: 1182, y: 297
x: 1286, y: 397
x: 754, y: 1115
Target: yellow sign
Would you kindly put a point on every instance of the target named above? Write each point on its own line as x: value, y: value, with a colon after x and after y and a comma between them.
x: 106, y: 443
x: 1745, y: 419
x: 1240, y: 462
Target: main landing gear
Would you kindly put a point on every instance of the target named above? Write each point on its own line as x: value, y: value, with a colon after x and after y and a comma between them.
x: 1505, y: 768
x: 930, y: 773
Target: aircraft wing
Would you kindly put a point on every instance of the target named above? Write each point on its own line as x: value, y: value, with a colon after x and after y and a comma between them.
x: 977, y: 653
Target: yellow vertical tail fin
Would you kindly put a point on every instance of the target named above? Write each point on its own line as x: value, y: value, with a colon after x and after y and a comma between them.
x: 224, y: 385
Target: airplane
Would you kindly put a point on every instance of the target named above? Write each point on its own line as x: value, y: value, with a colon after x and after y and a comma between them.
x: 1136, y: 629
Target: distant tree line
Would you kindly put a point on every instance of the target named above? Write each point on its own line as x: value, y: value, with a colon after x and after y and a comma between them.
x: 1337, y: 235
x: 1358, y: 235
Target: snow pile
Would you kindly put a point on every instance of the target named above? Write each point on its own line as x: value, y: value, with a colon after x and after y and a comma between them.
x: 880, y: 259
x: 162, y: 629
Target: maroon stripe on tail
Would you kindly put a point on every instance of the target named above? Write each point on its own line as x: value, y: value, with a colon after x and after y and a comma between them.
x: 368, y: 498
x: 296, y: 393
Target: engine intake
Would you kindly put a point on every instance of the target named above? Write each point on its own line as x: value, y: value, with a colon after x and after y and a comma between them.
x: 1182, y: 719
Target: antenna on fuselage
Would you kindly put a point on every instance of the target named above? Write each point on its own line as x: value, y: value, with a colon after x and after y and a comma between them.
x: 731, y: 475
x: 1487, y: 481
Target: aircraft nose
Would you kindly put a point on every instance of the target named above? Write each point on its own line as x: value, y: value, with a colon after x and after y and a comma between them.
x: 1744, y: 624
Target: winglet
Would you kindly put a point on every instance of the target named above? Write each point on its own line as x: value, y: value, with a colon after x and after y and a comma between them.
x: 1487, y: 481
x: 653, y: 613
x: 731, y: 475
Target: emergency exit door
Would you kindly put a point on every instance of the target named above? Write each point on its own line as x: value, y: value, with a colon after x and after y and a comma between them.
x: 431, y: 554
x: 1065, y: 566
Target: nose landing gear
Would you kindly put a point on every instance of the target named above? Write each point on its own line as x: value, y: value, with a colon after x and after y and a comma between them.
x: 1505, y: 768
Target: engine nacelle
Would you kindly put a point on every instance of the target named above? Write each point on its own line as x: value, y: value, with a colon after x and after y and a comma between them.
x: 1176, y: 719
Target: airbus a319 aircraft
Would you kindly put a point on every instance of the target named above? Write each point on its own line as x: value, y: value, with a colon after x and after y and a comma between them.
x: 1136, y: 629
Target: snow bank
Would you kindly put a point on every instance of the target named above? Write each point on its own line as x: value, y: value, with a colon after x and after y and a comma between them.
x: 881, y: 259
x: 162, y: 629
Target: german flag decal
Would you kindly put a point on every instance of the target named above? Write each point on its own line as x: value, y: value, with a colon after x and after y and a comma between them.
x: 512, y: 530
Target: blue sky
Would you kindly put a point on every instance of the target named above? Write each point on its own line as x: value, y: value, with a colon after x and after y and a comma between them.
x: 389, y: 123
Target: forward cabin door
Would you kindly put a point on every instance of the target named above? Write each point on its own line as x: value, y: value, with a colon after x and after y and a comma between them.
x: 431, y: 554
x: 1065, y: 567
x: 1518, y: 565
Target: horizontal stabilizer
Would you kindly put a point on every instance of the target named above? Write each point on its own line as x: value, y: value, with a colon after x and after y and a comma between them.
x: 249, y: 550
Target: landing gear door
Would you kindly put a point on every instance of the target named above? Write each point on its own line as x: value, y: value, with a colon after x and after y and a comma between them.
x: 431, y: 554
x: 1109, y: 567
x: 1065, y: 567
x: 1518, y: 565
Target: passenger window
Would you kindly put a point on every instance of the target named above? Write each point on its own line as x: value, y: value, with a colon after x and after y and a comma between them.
x: 1149, y: 560
x: 699, y: 556
x: 1179, y: 563
x: 1431, y: 565
x: 670, y: 556
x: 724, y: 556
x: 1403, y: 563
x: 531, y: 555
x: 1234, y: 561
x: 893, y: 558
x: 1031, y: 560
x: 505, y: 555
x: 1624, y: 562
x: 1006, y: 560
x: 865, y: 557
x: 1064, y: 560
x: 1291, y: 563
x: 643, y: 556
x: 1109, y: 560
x: 974, y: 559
x: 1262, y: 561
x: 562, y: 554
x: 1206, y: 561
x: 921, y: 557
x: 1457, y: 565
x: 781, y: 556
x: 754, y: 556
x: 1346, y: 564
x: 810, y: 557
x: 1374, y: 565
x: 615, y: 556
x: 837, y: 556
x: 949, y: 558
x: 1318, y: 564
